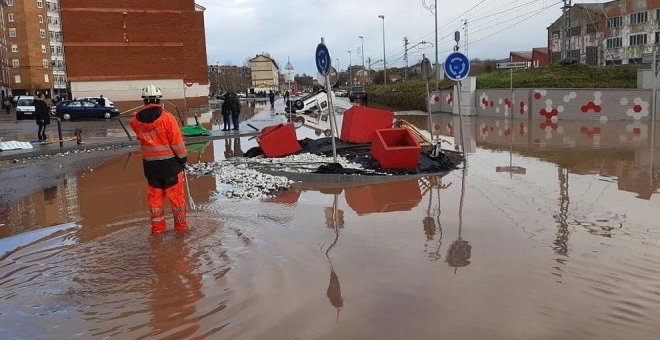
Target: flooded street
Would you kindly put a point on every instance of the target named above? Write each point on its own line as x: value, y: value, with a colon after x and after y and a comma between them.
x: 551, y: 231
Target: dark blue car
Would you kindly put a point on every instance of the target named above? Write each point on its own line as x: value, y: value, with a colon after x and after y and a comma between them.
x: 82, y: 109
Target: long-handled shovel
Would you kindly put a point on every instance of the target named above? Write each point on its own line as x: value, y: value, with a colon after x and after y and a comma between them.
x: 190, y: 199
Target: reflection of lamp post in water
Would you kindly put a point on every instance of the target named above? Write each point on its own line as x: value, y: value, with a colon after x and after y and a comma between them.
x: 334, y: 219
x: 460, y: 251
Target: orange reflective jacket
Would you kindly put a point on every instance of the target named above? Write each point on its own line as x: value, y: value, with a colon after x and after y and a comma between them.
x: 163, y: 148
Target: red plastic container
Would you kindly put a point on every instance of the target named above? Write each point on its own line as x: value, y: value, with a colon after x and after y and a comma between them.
x: 278, y: 140
x: 360, y: 123
x: 395, y: 148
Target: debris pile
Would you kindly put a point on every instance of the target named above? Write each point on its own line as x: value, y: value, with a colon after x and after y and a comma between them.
x: 246, y: 183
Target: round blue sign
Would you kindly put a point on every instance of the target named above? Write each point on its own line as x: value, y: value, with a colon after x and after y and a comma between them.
x: 323, y: 60
x: 457, y: 66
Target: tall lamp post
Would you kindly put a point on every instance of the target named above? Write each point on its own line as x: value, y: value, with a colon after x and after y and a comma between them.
x: 362, y: 49
x: 289, y: 71
x: 350, y: 72
x: 384, y: 61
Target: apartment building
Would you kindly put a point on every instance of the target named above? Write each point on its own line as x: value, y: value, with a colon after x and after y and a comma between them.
x: 265, y: 73
x: 27, y: 41
x: 56, y: 47
x: 5, y: 88
x: 116, y: 48
x: 609, y: 33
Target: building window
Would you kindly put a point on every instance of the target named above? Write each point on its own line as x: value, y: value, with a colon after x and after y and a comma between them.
x: 657, y: 14
x: 638, y: 39
x: 556, y: 34
x: 14, y: 48
x: 40, y: 3
x: 614, y: 62
x: 635, y: 61
x: 10, y: 3
x: 42, y: 33
x: 52, y: 49
x: 574, y: 54
x: 15, y: 63
x: 639, y: 18
x: 614, y: 22
x: 12, y: 32
x: 46, y: 78
x: 11, y: 17
x: 43, y: 49
x: 657, y: 37
x: 592, y: 28
x: 17, y: 79
x: 41, y: 18
x: 44, y: 63
x: 614, y: 42
x: 575, y: 31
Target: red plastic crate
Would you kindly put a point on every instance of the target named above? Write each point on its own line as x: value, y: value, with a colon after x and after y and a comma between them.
x: 278, y: 140
x: 395, y: 148
x: 360, y: 123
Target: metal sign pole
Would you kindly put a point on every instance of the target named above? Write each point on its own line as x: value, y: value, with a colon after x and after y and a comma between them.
x: 331, y: 111
x: 654, y: 113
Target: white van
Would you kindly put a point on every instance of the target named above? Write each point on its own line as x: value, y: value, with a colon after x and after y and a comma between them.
x: 25, y: 107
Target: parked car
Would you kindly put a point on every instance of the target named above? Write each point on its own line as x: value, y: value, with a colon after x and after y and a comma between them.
x: 341, y: 93
x: 108, y: 102
x: 25, y: 107
x: 81, y: 109
x: 357, y: 94
x: 241, y: 95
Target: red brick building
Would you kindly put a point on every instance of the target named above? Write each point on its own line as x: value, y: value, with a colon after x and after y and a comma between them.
x: 540, y: 57
x: 116, y: 47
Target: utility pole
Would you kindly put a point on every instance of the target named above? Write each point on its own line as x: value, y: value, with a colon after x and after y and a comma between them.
x: 405, y: 58
x: 369, y: 70
x: 465, y: 33
x: 566, y: 41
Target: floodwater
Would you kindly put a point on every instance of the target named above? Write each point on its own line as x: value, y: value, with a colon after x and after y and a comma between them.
x: 550, y: 232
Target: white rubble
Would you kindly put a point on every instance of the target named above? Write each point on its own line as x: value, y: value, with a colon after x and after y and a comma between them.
x: 246, y: 180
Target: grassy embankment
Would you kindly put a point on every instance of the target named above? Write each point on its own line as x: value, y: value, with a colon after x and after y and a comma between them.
x: 411, y: 95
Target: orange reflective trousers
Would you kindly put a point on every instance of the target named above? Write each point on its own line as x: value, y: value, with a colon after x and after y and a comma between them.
x: 175, y: 195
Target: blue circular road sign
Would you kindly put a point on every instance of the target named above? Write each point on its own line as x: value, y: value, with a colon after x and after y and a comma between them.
x: 323, y: 60
x: 457, y: 66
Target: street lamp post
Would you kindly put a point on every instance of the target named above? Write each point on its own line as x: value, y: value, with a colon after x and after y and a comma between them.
x: 362, y: 49
x: 289, y: 70
x: 350, y: 72
x: 384, y: 61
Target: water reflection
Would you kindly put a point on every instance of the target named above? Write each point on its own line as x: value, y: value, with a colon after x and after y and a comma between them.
x: 431, y: 223
x: 334, y: 288
x: 176, y: 289
x: 619, y: 149
x: 460, y: 251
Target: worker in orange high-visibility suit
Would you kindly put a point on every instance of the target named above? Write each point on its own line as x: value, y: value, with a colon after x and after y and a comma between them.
x: 164, y: 157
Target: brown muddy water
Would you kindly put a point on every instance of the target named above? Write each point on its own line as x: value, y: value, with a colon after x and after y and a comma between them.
x: 567, y: 246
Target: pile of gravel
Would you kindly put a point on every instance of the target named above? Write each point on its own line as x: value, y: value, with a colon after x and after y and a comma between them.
x: 245, y: 182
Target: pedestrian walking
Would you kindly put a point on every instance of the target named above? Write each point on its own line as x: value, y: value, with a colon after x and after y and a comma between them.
x: 271, y: 96
x: 42, y: 114
x: 101, y: 101
x: 163, y: 157
x: 7, y: 103
x: 235, y: 110
x: 226, y: 113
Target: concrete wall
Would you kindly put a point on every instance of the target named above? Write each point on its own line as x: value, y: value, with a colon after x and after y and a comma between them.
x: 557, y: 104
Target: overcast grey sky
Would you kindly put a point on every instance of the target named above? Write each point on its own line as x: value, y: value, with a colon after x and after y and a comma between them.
x: 237, y: 30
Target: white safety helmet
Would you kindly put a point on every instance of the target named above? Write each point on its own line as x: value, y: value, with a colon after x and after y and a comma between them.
x: 152, y: 91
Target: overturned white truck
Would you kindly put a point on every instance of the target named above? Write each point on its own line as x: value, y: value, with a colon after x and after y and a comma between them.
x: 312, y: 111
